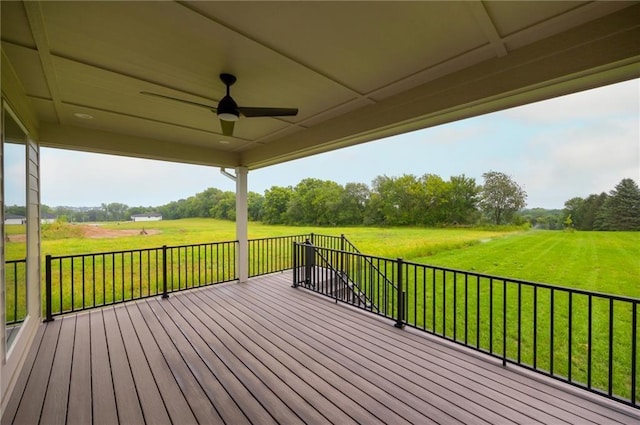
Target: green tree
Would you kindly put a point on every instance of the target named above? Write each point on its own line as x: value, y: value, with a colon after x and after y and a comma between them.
x: 255, y: 204
x: 431, y: 203
x: 353, y: 204
x: 622, y: 208
x: 315, y: 201
x: 501, y: 196
x: 224, y: 206
x: 276, y: 203
x: 462, y: 200
x: 574, y: 208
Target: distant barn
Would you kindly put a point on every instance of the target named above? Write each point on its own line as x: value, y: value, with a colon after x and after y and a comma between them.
x: 146, y: 217
x: 14, y: 219
x: 46, y: 218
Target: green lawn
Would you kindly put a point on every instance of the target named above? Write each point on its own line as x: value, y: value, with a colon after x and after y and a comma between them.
x: 596, y: 261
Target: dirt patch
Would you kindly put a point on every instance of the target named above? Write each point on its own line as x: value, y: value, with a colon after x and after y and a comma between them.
x: 16, y: 238
x: 97, y: 232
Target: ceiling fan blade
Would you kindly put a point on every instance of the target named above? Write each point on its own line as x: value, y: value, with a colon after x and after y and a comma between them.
x: 249, y: 111
x: 200, y: 105
x: 227, y: 127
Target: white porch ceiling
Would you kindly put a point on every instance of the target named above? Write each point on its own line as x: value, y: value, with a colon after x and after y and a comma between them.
x: 357, y: 71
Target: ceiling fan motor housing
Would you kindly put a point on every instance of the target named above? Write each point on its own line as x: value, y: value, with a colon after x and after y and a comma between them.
x: 228, y: 109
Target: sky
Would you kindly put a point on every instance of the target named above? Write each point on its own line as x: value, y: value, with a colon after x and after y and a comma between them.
x: 557, y: 149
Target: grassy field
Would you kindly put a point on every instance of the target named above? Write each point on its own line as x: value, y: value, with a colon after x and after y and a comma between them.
x: 387, y: 242
x: 607, y: 262
x: 597, y: 261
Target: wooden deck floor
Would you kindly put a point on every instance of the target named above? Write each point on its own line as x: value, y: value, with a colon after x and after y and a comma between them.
x: 262, y: 353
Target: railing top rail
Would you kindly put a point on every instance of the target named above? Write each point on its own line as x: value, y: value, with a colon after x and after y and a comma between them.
x: 489, y: 276
x: 126, y: 251
x: 279, y: 237
x: 23, y: 260
x: 531, y: 283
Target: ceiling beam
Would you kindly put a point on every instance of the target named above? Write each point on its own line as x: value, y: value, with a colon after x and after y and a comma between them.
x: 96, y: 141
x: 36, y: 22
x: 488, y: 28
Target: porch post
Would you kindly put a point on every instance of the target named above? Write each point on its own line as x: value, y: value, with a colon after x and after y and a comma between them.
x: 242, y: 259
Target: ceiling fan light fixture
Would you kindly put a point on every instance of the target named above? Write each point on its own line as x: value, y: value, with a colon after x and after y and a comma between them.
x: 228, y: 116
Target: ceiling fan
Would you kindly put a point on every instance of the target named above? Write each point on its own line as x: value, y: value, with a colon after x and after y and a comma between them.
x: 228, y: 110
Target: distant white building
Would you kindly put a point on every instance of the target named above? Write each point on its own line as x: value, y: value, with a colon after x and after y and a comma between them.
x: 14, y: 219
x: 146, y: 217
x: 47, y: 218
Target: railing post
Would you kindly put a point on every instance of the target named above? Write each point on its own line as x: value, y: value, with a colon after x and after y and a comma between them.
x: 165, y: 294
x: 342, y: 272
x: 296, y: 272
x: 309, y: 259
x: 400, y: 297
x: 47, y: 286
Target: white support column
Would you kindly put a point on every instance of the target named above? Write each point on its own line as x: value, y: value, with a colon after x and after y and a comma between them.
x: 242, y: 234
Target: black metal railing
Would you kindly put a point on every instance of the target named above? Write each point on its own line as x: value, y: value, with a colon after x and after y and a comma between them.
x: 84, y: 281
x: 79, y: 282
x: 15, y: 278
x: 271, y: 255
x: 583, y: 338
x: 345, y: 276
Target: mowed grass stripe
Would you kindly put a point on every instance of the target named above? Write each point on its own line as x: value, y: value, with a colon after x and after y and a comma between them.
x: 606, y: 262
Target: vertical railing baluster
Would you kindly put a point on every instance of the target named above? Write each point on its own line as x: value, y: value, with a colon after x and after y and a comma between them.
x: 93, y: 275
x: 491, y: 315
x: 455, y: 308
x: 83, y: 283
x: 424, y: 297
x: 551, y: 327
x: 415, y: 296
x: 15, y: 290
x: 165, y: 294
x: 47, y: 289
x: 122, y: 273
x: 519, y: 321
x: 444, y: 303
x: 634, y: 352
x: 535, y: 327
x: 477, y: 311
x: 610, y: 384
x: 504, y: 322
x: 400, y: 295
x: 433, y: 302
x: 570, y: 339
x: 73, y: 286
x: 589, y: 338
x: 466, y: 308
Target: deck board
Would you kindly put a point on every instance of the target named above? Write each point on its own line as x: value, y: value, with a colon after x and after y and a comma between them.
x: 103, y: 398
x: 263, y: 352
x: 154, y: 407
x: 30, y: 405
x: 79, y: 398
x: 128, y: 404
x: 269, y: 366
x: 196, y: 397
x: 490, y: 404
x: 323, y: 379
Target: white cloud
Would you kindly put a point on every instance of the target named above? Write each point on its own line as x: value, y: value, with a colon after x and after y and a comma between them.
x: 83, y: 179
x: 616, y: 100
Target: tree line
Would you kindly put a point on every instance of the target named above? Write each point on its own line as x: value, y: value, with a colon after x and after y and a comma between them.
x: 617, y: 210
x: 407, y: 200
